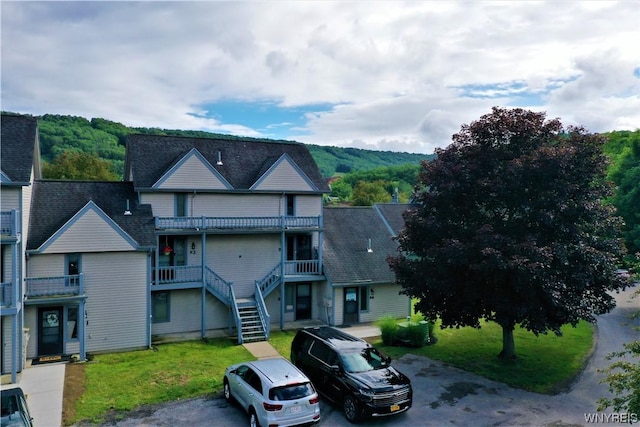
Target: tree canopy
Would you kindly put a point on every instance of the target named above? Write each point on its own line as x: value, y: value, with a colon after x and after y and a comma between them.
x: 510, y: 227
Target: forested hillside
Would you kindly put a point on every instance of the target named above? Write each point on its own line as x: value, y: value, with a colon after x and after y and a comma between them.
x: 106, y: 139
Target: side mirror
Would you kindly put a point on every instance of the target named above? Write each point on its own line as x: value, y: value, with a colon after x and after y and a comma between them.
x: 335, y: 369
x: 387, y: 360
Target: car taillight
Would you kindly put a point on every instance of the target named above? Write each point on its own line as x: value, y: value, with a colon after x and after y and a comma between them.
x: 271, y: 407
x: 314, y: 400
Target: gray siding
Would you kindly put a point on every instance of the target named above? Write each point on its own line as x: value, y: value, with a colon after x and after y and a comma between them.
x: 115, y: 284
x: 50, y: 265
x: 186, y: 313
x: 308, y: 205
x: 162, y: 203
x: 230, y: 205
x: 89, y: 233
x: 193, y: 174
x: 284, y: 177
x: 10, y: 198
x: 386, y: 302
x: 243, y: 259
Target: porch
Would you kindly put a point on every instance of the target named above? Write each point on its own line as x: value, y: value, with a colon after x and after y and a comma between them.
x: 58, y: 286
x: 10, y: 223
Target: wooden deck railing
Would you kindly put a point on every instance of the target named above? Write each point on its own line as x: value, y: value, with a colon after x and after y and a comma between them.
x: 234, y: 223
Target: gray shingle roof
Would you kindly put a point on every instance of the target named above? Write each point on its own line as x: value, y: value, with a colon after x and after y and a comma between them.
x: 55, y: 202
x: 19, y: 136
x: 244, y: 159
x: 392, y: 214
x: 345, y: 256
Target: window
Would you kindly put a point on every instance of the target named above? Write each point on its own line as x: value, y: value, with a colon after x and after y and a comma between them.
x: 291, y: 202
x: 322, y: 352
x: 181, y: 204
x: 289, y: 290
x: 364, y: 298
x: 72, y: 269
x: 72, y: 322
x: 160, y: 307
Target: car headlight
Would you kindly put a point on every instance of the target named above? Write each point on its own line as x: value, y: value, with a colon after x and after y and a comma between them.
x: 366, y: 395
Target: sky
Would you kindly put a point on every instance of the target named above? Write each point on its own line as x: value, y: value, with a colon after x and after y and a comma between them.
x: 397, y: 76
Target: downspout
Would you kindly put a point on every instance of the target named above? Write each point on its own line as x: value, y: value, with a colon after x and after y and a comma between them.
x: 82, y: 322
x: 149, y: 314
x: 282, y: 295
x: 203, y: 241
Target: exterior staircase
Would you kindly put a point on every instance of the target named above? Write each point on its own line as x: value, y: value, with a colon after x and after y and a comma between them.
x: 251, y: 322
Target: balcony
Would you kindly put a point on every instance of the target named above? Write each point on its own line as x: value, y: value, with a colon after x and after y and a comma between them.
x: 6, y: 294
x: 9, y: 223
x: 237, y: 223
x: 68, y: 285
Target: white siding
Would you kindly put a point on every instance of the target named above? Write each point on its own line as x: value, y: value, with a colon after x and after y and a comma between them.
x: 116, y: 300
x: 193, y: 174
x: 284, y: 177
x: 163, y: 204
x: 338, y: 306
x: 89, y: 233
x: 5, y: 341
x: 243, y: 259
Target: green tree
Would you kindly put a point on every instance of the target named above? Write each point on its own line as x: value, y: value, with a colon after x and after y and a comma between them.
x: 510, y: 228
x: 341, y: 189
x: 368, y: 193
x: 79, y: 166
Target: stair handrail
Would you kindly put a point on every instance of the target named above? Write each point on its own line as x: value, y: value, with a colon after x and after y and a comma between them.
x: 219, y: 285
x: 266, y: 283
x: 236, y: 313
x: 265, y: 318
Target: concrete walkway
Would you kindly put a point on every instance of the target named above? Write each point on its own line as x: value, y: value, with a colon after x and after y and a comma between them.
x: 264, y: 350
x: 43, y: 386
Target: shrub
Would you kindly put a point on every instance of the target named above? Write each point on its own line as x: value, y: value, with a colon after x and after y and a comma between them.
x: 388, y: 329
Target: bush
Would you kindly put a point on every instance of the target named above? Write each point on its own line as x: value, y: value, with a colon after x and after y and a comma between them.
x: 388, y: 329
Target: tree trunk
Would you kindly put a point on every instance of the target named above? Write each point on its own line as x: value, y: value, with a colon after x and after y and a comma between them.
x: 508, y: 346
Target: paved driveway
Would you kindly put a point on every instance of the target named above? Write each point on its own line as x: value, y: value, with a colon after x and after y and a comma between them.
x: 445, y: 395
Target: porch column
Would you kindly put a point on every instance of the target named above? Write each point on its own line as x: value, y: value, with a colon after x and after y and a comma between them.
x: 282, y: 259
x: 82, y: 321
x: 320, y: 237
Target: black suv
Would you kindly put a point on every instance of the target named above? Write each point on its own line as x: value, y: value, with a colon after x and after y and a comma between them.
x: 349, y: 370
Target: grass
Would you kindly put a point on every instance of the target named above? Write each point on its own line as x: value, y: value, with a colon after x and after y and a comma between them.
x: 544, y: 364
x: 123, y: 381
x: 119, y: 382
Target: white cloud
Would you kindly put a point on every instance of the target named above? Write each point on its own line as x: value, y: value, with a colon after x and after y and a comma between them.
x: 392, y: 72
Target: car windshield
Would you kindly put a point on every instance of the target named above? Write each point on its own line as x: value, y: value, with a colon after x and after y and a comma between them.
x: 291, y: 391
x: 366, y: 360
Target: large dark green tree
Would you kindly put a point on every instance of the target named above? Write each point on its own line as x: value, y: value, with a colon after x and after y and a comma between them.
x: 511, y: 228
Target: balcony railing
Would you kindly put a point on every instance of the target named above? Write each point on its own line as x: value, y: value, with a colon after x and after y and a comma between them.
x: 70, y: 284
x: 301, y: 267
x: 6, y: 294
x: 234, y: 223
x: 9, y: 223
x: 177, y: 274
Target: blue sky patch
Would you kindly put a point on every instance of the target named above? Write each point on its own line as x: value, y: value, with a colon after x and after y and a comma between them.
x: 266, y: 117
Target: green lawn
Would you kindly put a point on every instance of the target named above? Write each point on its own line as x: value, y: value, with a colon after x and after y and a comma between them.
x: 123, y: 381
x: 544, y: 364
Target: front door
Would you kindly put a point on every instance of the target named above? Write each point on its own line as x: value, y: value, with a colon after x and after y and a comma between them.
x: 50, y: 332
x: 303, y: 301
x: 350, y: 306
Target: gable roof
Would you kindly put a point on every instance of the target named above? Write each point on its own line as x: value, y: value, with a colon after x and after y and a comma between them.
x: 244, y: 160
x: 346, y: 237
x: 56, y: 202
x: 19, y: 140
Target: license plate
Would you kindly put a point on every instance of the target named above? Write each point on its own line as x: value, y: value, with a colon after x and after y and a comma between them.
x: 395, y: 408
x: 295, y: 409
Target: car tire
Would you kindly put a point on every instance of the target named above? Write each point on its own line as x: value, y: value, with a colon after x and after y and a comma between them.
x: 226, y: 390
x: 253, y: 418
x: 350, y: 408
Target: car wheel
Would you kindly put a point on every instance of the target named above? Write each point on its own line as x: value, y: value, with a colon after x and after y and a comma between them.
x: 350, y: 408
x: 253, y: 419
x: 227, y: 391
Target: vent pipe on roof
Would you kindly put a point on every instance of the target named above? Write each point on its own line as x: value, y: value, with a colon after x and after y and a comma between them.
x: 127, y: 211
x: 369, y: 246
x: 219, y: 162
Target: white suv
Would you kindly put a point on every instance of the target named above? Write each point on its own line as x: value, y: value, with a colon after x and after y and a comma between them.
x: 273, y: 392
